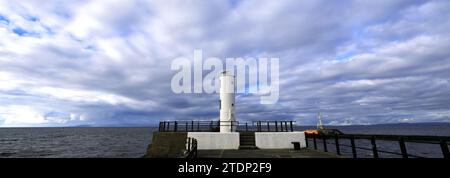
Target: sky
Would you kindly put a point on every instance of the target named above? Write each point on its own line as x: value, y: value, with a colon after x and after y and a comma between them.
x: 107, y: 62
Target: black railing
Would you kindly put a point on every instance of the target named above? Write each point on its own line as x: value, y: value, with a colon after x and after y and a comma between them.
x: 196, y: 126
x: 442, y: 141
x: 214, y: 126
x: 191, y: 148
x: 274, y: 126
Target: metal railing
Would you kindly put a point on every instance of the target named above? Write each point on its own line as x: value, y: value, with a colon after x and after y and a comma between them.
x: 274, y: 126
x: 214, y: 126
x: 442, y: 141
x: 195, y: 126
x: 191, y: 148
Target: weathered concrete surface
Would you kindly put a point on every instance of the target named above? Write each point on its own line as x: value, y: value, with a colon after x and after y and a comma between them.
x: 167, y: 145
x: 216, y: 140
x: 268, y: 153
x: 173, y: 144
x: 279, y: 140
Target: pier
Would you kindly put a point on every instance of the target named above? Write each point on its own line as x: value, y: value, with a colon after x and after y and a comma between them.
x: 266, y: 153
x: 171, y: 140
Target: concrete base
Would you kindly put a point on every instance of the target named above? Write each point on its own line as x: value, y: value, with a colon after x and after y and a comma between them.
x: 267, y: 153
x: 279, y: 140
x: 166, y: 145
x: 215, y: 140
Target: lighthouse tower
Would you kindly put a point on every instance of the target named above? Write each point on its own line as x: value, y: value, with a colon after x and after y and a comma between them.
x: 227, y: 117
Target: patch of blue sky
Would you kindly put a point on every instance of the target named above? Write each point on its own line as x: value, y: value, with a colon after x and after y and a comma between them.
x: 62, y: 13
x: 4, y: 20
x: 345, y: 57
x: 234, y: 3
x: 16, y: 93
x: 22, y: 32
x: 91, y: 47
x: 249, y: 90
x: 32, y: 18
x: 55, y: 114
x: 25, y: 15
x: 49, y: 30
x: 359, y: 36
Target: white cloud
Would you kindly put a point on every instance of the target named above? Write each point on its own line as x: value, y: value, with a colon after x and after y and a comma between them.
x: 17, y: 115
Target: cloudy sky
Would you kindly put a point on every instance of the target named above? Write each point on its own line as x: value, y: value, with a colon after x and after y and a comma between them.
x: 107, y: 62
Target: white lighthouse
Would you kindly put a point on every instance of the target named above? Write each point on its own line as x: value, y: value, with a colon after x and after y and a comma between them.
x: 227, y: 117
x: 230, y: 139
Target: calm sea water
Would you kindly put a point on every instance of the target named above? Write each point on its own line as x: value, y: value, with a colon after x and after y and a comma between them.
x: 74, y: 142
x: 133, y: 142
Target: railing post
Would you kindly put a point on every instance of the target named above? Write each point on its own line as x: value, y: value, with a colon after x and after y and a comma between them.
x: 444, y: 148
x: 195, y: 149
x: 192, y: 126
x: 374, y: 147
x: 292, y: 129
x: 281, y: 126
x: 401, y: 142
x: 211, y: 126
x: 259, y: 126
x: 175, y: 127
x: 306, y: 140
x: 315, y: 142
x: 276, y: 126
x: 246, y: 127
x: 168, y: 126
x: 352, y: 141
x: 324, y: 139
x: 336, y: 140
x: 268, y: 126
x: 285, y: 126
x: 186, y: 126
x: 189, y: 144
x: 232, y: 126
x: 198, y: 126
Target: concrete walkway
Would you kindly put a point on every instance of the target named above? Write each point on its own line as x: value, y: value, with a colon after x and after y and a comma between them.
x: 266, y: 153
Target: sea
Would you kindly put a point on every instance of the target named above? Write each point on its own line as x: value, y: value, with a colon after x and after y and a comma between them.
x: 132, y: 142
